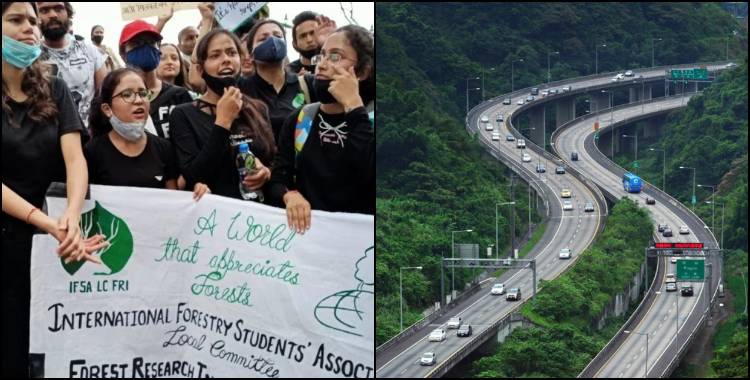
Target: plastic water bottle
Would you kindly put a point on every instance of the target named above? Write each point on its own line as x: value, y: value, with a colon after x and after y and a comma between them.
x: 246, y: 166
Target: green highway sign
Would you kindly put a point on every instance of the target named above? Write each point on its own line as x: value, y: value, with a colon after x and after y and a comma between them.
x: 698, y: 74
x: 690, y: 270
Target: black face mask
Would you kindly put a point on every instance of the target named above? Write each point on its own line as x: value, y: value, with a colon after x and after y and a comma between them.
x: 367, y: 90
x: 97, y: 39
x: 309, y: 53
x: 217, y: 84
x: 320, y: 86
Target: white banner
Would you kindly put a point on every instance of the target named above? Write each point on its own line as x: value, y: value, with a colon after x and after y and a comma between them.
x: 218, y: 287
x: 231, y: 15
x: 141, y: 9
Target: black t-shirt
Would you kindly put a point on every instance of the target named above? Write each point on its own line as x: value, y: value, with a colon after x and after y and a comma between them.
x: 32, y: 154
x: 205, y: 152
x: 297, y: 65
x: 335, y: 171
x: 169, y: 97
x: 281, y: 104
x: 152, y: 168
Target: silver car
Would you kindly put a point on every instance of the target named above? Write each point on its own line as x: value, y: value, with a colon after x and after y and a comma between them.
x: 428, y: 358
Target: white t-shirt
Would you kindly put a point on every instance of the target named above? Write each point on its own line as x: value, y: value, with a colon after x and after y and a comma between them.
x: 76, y: 64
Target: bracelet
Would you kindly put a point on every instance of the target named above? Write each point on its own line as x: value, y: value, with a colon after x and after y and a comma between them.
x: 29, y: 215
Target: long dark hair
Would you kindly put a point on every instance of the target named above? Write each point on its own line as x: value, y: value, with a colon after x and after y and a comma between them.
x: 98, y: 121
x: 254, y: 119
x: 182, y: 72
x: 36, y: 85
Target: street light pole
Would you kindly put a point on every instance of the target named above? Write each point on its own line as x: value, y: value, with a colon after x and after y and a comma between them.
x: 597, y: 56
x: 611, y: 121
x: 713, y: 197
x: 692, y: 201
x: 636, y: 148
x: 512, y: 86
x: 727, y: 49
x: 548, y: 67
x: 497, y: 231
x: 401, y: 295
x: 491, y: 69
x: 529, y: 191
x: 453, y: 256
x: 664, y: 168
x: 467, y: 93
x: 653, y: 41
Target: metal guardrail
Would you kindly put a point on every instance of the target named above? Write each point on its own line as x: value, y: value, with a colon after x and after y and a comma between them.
x: 411, y: 330
x: 445, y: 366
x: 595, y: 365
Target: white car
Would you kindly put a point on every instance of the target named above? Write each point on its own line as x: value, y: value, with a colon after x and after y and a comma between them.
x: 670, y: 278
x: 497, y: 289
x: 489, y: 127
x: 673, y: 260
x: 567, y: 205
x: 428, y: 358
x: 618, y: 77
x: 520, y: 102
x: 521, y: 144
x: 485, y: 119
x: 506, y: 101
x: 684, y: 230
x: 499, y: 117
x: 495, y: 136
x: 564, y: 253
x: 454, y: 322
x: 671, y: 287
x: 629, y: 73
x: 437, y: 335
x: 514, y: 294
x: 565, y: 193
x: 526, y: 157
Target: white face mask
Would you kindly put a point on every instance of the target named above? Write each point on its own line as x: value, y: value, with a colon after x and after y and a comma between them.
x: 132, y: 131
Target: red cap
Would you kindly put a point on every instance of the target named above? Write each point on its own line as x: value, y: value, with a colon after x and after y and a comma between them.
x: 135, y: 28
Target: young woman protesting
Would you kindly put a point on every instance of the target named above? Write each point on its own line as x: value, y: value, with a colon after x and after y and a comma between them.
x: 207, y: 132
x: 122, y: 153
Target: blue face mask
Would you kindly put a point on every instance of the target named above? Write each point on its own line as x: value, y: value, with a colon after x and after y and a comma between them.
x: 19, y: 54
x: 272, y: 50
x: 144, y: 57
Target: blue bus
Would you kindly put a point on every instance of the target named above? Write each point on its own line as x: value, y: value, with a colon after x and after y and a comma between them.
x: 631, y: 183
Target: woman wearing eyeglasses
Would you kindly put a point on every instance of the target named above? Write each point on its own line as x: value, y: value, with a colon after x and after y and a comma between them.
x: 122, y: 153
x: 326, y: 158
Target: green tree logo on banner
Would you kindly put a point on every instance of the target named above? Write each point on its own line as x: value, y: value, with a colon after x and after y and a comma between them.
x: 341, y: 311
x: 115, y: 256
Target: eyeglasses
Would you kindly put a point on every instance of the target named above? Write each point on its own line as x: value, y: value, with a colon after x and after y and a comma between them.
x: 333, y: 58
x: 129, y: 95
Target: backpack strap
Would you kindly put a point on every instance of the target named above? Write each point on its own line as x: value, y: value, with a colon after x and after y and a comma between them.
x: 303, y: 87
x: 371, y: 112
x: 302, y: 128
